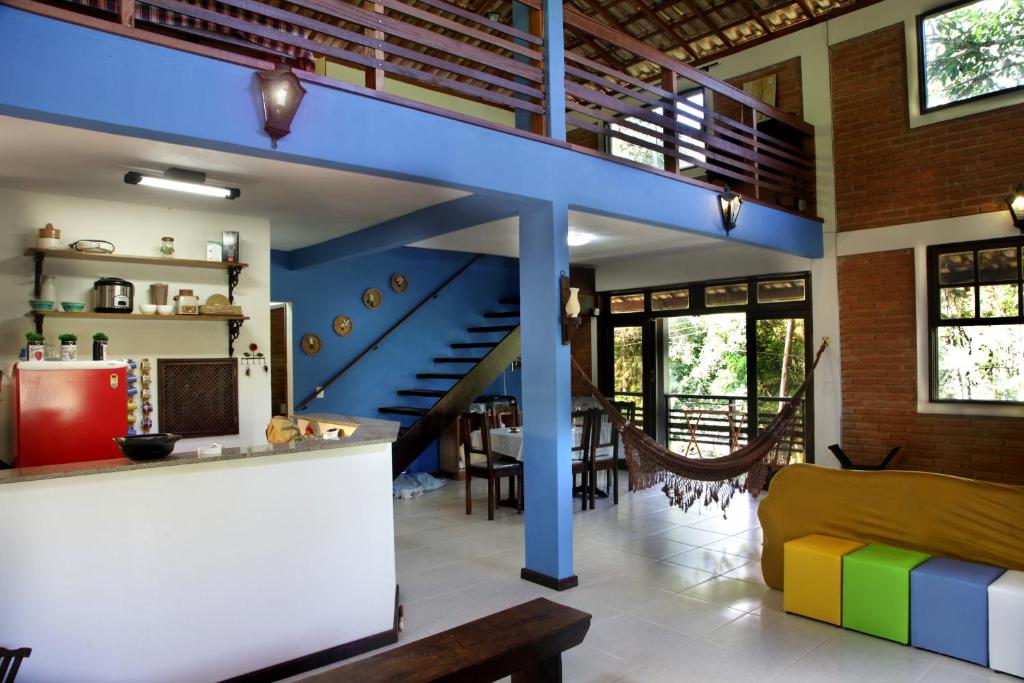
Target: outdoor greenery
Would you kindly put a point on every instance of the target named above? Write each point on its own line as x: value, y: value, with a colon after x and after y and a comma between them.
x: 980, y: 363
x: 707, y: 354
x: 974, y: 50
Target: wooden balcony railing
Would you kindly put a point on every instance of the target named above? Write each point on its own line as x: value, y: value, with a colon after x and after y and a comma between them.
x: 729, y: 138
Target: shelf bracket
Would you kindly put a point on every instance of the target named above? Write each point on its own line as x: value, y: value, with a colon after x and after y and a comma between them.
x: 233, y: 273
x: 39, y: 321
x: 38, y: 259
x: 234, y: 329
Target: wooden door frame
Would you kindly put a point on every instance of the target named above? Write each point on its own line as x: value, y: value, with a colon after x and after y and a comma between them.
x: 289, y: 365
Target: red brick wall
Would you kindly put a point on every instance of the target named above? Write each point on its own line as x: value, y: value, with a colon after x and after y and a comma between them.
x: 879, y: 370
x: 888, y: 173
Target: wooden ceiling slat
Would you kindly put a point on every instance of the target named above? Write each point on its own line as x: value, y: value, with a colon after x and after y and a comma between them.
x: 681, y: 40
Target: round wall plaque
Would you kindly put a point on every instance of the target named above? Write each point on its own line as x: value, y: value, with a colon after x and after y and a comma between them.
x: 343, y: 325
x: 311, y: 344
x: 372, y: 298
x: 399, y: 282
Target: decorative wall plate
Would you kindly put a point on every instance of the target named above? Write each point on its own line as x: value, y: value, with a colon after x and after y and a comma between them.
x: 343, y: 325
x: 399, y: 283
x: 372, y: 298
x: 310, y: 344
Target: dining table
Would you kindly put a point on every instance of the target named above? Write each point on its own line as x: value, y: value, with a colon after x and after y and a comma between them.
x: 508, y: 441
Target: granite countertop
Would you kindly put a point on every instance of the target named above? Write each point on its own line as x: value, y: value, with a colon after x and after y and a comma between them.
x: 370, y: 431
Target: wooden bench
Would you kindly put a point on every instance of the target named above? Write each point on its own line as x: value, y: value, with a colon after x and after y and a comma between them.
x: 525, y: 642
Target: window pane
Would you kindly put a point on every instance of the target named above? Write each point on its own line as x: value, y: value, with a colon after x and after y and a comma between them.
x: 691, y: 117
x: 956, y: 302
x: 972, y: 50
x: 980, y: 363
x: 628, y: 303
x: 956, y: 268
x: 777, y: 291
x: 676, y: 299
x: 725, y: 295
x: 998, y: 301
x: 997, y: 265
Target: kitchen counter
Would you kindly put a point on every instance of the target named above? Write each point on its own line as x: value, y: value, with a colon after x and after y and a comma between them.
x: 368, y: 431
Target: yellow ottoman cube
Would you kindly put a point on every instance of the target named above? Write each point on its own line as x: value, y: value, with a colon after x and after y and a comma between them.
x: 813, y: 576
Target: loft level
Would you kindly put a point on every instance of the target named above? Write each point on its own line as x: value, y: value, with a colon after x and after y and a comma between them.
x: 489, y: 70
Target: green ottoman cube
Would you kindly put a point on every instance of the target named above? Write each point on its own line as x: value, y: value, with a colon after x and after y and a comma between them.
x: 876, y: 590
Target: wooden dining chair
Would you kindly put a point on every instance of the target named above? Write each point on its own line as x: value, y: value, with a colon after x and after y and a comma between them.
x: 608, y: 461
x: 484, y: 462
x: 10, y: 662
x: 583, y: 455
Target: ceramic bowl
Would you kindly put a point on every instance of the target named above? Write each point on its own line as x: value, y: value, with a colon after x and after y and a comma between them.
x: 166, y: 309
x: 40, y: 304
x: 72, y: 306
x: 148, y: 309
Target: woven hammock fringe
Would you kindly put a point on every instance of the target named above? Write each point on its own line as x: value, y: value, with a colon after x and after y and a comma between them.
x: 691, y: 481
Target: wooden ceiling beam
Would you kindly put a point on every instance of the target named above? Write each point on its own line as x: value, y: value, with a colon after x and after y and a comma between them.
x: 595, y: 5
x: 681, y: 40
x: 755, y: 15
x: 703, y: 16
x: 610, y: 59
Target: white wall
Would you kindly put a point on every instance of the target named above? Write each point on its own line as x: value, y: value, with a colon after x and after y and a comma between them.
x: 811, y: 45
x: 136, y: 230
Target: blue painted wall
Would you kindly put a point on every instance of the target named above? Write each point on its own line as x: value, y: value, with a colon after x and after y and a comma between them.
x: 320, y: 293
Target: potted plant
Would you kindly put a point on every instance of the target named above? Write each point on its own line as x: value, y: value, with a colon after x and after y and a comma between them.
x: 99, y: 346
x: 68, y: 347
x: 36, y: 349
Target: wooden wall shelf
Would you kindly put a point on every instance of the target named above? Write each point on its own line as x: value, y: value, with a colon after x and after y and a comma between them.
x: 123, y: 258
x: 136, y: 316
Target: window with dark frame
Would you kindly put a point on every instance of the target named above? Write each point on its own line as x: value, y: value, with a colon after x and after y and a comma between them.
x: 976, y: 321
x: 691, y: 115
x: 969, y: 50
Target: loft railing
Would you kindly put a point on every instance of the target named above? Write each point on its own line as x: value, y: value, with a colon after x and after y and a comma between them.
x: 730, y: 138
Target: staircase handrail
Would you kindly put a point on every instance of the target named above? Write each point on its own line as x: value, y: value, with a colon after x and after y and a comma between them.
x: 377, y: 342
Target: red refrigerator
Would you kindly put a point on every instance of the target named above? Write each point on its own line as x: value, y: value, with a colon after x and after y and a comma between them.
x: 68, y: 411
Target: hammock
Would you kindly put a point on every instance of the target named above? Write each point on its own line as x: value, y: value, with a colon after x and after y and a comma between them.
x: 688, y: 481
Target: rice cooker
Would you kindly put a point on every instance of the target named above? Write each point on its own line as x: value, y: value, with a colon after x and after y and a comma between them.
x: 113, y: 295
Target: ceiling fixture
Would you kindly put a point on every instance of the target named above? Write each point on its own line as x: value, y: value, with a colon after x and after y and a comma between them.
x: 182, y: 180
x: 578, y: 239
x: 282, y: 94
x: 731, y: 203
x: 1015, y: 202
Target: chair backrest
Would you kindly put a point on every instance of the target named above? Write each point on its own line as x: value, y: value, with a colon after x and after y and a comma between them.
x: 10, y: 662
x: 469, y: 423
x: 584, y: 421
x: 627, y: 408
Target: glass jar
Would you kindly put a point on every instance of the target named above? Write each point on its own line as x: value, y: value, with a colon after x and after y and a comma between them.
x: 167, y: 246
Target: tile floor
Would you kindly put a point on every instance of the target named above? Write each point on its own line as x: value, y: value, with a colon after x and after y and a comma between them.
x: 674, y: 596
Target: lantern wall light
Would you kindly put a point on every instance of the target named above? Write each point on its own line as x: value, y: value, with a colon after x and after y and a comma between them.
x: 282, y: 93
x: 1015, y: 203
x: 731, y: 202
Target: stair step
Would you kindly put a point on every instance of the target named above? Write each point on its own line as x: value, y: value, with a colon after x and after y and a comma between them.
x: 474, y: 345
x: 439, y: 375
x: 492, y: 328
x: 509, y: 301
x: 457, y: 359
x: 403, y: 410
x: 502, y: 314
x: 422, y: 392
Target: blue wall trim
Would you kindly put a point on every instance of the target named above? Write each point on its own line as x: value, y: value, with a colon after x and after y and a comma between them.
x: 122, y: 86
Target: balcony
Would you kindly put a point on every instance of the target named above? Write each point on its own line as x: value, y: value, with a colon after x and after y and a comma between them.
x: 490, y: 69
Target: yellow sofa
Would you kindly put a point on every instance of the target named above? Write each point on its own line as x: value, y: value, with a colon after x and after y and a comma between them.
x: 933, y: 513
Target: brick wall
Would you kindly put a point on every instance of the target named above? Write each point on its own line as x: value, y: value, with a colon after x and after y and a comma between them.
x: 888, y: 173
x: 879, y: 370
x: 788, y: 89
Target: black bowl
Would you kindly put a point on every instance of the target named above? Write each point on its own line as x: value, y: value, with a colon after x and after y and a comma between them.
x: 147, y: 446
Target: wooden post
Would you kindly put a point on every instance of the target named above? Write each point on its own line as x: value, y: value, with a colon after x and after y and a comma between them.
x: 126, y: 12
x: 669, y: 81
x: 538, y: 122
x: 375, y: 77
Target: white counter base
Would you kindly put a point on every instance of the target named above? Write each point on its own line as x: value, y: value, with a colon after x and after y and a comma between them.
x: 197, y: 572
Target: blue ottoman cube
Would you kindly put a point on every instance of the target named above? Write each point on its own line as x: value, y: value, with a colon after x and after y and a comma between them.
x: 949, y: 608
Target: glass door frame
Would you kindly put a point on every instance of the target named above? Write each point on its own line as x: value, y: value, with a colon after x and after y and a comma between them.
x: 654, y: 340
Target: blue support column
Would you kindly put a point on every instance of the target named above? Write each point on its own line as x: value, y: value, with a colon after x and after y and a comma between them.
x: 554, y: 69
x: 521, y: 21
x: 547, y: 420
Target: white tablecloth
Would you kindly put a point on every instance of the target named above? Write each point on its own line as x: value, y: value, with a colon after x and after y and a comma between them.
x: 506, y: 442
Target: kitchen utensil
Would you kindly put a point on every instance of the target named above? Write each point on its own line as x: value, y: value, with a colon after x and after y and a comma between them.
x: 229, y: 246
x: 47, y: 243
x: 147, y: 446
x: 113, y: 295
x: 209, y: 451
x: 93, y: 246
x: 188, y: 303
x: 48, y: 288
x: 72, y: 306
x: 165, y: 309
x: 158, y: 293
x: 40, y: 304
x: 148, y: 309
x: 167, y: 246
x: 219, y: 304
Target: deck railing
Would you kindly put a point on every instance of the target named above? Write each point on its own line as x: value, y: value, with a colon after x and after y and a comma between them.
x: 700, y: 425
x: 730, y: 138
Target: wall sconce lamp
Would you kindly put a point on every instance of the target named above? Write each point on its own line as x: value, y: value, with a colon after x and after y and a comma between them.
x: 731, y: 203
x: 282, y: 94
x: 570, y: 309
x: 1015, y: 202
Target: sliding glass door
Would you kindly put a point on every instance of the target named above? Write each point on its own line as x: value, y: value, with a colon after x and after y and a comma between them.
x: 781, y: 368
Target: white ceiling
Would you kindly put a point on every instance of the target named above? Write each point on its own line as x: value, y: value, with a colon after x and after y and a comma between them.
x: 612, y: 238
x: 305, y: 204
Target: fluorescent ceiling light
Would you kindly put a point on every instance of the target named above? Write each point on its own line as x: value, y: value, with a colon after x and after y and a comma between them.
x: 179, y: 180
x: 578, y: 239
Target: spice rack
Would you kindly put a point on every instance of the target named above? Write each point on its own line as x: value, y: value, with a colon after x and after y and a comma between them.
x: 232, y: 271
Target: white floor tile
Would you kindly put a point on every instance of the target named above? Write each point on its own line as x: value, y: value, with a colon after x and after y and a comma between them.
x: 708, y: 560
